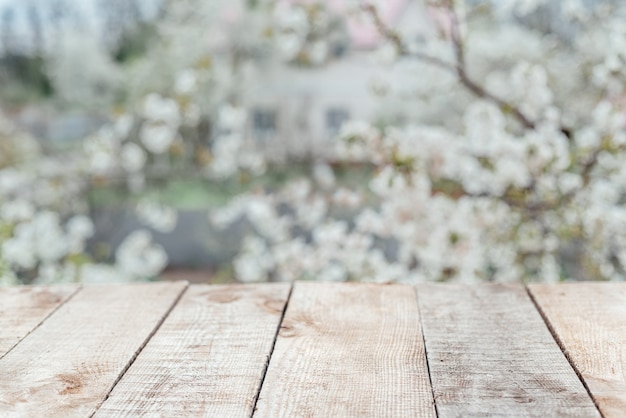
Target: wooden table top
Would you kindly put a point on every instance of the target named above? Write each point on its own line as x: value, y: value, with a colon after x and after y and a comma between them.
x: 313, y: 349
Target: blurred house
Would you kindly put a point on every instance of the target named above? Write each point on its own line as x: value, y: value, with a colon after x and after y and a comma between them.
x: 298, y: 111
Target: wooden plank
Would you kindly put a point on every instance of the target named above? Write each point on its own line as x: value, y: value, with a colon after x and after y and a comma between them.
x: 68, y: 365
x: 589, y: 321
x: 491, y: 354
x: 345, y: 350
x: 23, y: 308
x: 208, y: 357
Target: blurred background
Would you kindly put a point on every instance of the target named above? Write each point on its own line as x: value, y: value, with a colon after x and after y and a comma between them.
x: 262, y: 140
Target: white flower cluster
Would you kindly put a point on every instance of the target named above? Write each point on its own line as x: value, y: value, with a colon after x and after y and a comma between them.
x: 185, y: 121
x: 519, y: 173
x: 610, y: 71
x: 231, y: 151
x: 301, y: 234
x: 305, y: 32
x: 138, y: 257
x: 530, y: 185
x: 43, y: 236
x: 162, y: 120
x: 159, y: 217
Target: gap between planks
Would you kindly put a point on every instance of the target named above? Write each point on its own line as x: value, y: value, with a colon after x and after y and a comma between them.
x: 489, y: 350
x: 208, y: 356
x: 588, y: 319
x: 265, y: 367
x: 348, y: 349
x: 555, y: 335
x: 269, y: 357
x: 140, y: 349
x: 51, y: 382
x: 430, y: 378
x: 276, y: 335
x: 32, y: 291
x: 280, y: 324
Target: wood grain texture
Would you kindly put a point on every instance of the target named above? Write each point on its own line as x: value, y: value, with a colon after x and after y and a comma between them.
x: 490, y: 354
x: 589, y: 321
x: 348, y: 350
x: 67, y: 366
x: 23, y: 308
x: 208, y: 357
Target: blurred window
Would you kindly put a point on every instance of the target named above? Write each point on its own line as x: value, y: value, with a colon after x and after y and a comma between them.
x: 335, y: 118
x: 264, y: 123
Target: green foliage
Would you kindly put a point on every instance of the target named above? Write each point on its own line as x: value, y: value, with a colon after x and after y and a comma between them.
x: 135, y: 42
x: 23, y: 79
x: 201, y: 193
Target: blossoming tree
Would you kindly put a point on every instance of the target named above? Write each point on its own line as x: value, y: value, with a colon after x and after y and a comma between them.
x: 514, y: 170
x: 510, y: 165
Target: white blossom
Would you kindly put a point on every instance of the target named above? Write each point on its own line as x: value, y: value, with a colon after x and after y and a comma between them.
x: 133, y: 157
x: 123, y: 125
x: 232, y: 118
x: 161, y: 109
x: 138, y: 257
x: 17, y: 210
x: 186, y: 81
x: 157, y: 138
x: 79, y: 229
x: 159, y: 217
x: 255, y: 262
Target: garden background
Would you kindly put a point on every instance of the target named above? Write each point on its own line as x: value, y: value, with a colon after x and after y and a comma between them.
x: 273, y: 140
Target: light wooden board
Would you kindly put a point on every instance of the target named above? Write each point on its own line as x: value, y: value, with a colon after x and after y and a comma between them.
x: 208, y: 357
x: 23, y: 308
x: 348, y: 350
x: 491, y: 354
x: 67, y: 366
x: 589, y: 321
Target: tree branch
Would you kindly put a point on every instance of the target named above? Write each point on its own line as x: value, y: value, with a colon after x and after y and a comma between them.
x: 458, y: 68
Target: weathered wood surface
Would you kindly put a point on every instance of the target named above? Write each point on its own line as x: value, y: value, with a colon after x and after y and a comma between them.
x: 165, y: 349
x: 67, y: 366
x: 589, y: 321
x: 348, y: 350
x: 208, y: 357
x: 22, y: 309
x: 490, y: 354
